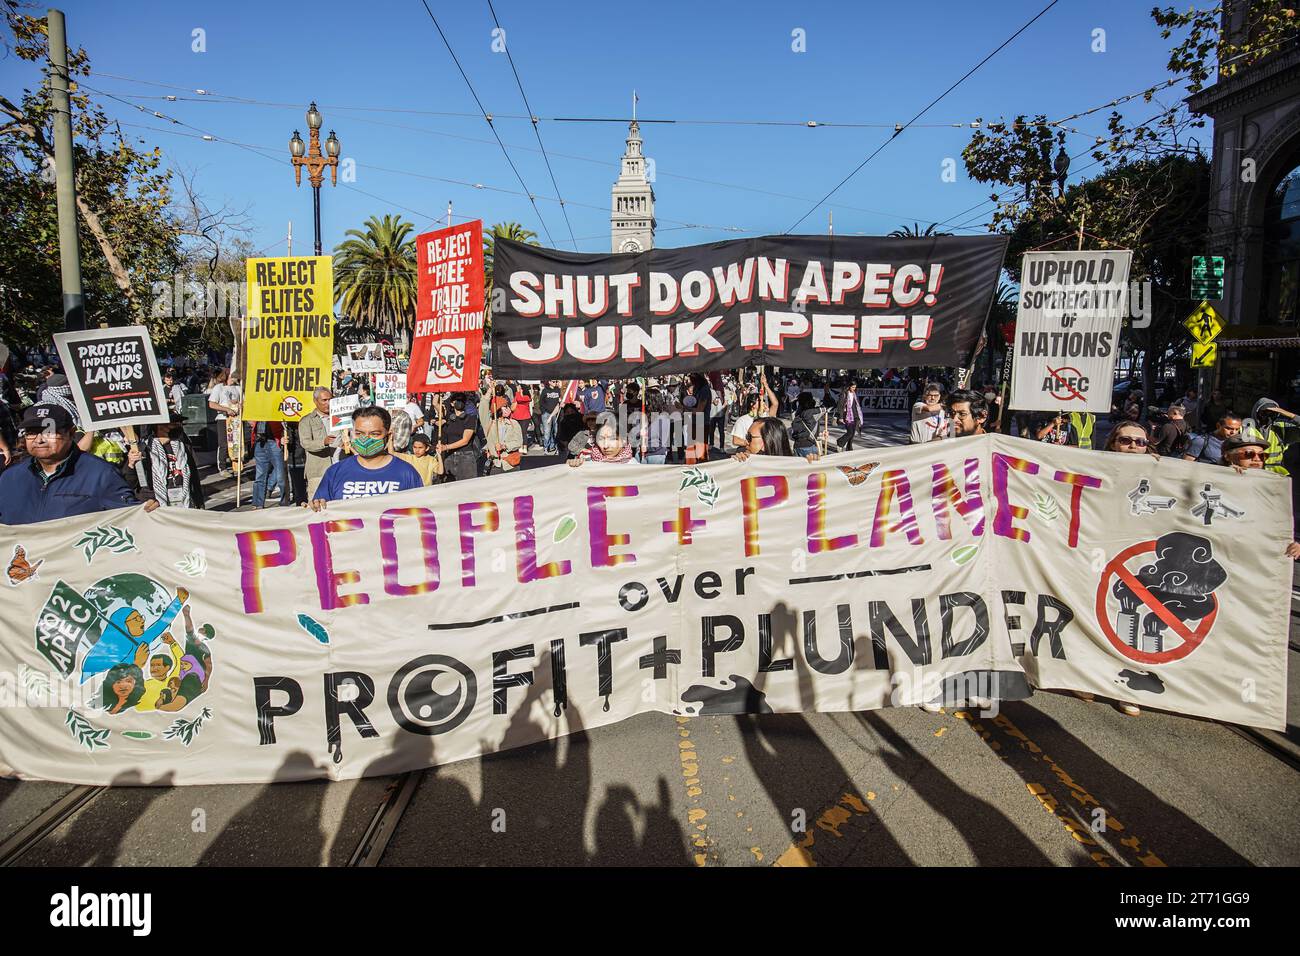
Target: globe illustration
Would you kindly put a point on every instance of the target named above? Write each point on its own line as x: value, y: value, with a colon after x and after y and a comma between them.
x: 129, y: 590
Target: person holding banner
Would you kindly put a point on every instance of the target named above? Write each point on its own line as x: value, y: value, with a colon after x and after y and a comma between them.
x: 371, y: 471
x: 968, y: 412
x: 58, y: 480
x: 768, y: 436
x: 607, y: 445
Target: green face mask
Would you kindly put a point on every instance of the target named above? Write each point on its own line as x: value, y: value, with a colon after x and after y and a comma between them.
x: 367, y: 447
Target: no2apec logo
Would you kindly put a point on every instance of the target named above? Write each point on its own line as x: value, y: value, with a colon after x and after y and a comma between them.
x: 446, y: 362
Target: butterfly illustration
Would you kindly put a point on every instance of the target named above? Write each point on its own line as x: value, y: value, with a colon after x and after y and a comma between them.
x: 859, y: 474
x: 20, y: 569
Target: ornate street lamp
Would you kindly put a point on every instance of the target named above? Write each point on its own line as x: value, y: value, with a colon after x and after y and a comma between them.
x: 310, y: 155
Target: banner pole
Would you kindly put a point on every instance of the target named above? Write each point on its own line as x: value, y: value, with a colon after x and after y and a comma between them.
x: 128, y: 432
x: 239, y: 416
x: 438, y: 438
x: 645, y: 438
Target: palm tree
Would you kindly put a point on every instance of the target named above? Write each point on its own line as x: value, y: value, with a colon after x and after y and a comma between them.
x: 501, y: 230
x: 915, y: 231
x: 375, y: 275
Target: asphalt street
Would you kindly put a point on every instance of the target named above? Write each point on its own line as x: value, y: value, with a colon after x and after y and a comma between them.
x: 1049, y: 781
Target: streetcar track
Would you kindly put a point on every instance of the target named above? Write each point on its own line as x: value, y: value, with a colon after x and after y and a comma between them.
x: 374, y: 841
x: 49, y: 820
x: 1266, y: 743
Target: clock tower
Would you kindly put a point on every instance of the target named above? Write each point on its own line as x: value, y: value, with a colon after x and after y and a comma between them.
x: 632, y: 202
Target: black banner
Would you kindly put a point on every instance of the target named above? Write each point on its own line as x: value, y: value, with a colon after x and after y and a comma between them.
x: 793, y: 301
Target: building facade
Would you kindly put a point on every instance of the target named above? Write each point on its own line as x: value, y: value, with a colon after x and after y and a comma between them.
x: 1255, y: 217
x: 632, y: 200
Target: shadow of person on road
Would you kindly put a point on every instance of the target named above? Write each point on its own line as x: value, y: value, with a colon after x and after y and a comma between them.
x: 801, y: 775
x: 535, y: 794
x: 96, y: 835
x: 662, y: 842
x: 407, y: 753
x: 991, y: 835
x: 1185, y: 841
x: 287, y: 812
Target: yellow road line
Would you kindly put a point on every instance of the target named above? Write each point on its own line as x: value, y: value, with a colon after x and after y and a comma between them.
x: 702, y: 847
x: 846, y: 810
x: 1050, y: 800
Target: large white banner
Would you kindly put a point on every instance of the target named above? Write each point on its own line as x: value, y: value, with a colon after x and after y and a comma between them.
x: 400, y: 632
x: 1068, y: 319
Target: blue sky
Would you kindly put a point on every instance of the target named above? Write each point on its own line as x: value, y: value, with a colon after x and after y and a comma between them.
x: 865, y: 62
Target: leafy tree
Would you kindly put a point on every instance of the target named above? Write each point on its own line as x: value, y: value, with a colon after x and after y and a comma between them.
x: 1269, y: 26
x: 128, y: 237
x: 1151, y: 195
x: 375, y: 276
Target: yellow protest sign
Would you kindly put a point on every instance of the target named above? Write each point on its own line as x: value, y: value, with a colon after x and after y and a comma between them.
x: 1204, y: 356
x: 289, y: 335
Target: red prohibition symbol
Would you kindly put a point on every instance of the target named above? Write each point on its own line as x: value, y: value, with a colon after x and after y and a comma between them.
x: 1191, y: 638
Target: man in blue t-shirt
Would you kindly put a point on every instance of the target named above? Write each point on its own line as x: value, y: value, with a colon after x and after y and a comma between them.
x: 372, y: 471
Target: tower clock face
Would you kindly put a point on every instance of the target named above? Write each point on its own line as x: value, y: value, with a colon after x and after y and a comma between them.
x: 630, y: 245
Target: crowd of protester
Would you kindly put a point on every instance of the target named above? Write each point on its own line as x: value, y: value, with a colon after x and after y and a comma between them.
x: 680, y: 419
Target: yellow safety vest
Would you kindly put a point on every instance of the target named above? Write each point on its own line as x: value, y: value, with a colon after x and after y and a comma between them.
x: 1083, y: 423
x: 1274, y: 451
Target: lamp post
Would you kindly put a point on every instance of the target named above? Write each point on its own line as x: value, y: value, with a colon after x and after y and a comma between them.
x: 309, y: 155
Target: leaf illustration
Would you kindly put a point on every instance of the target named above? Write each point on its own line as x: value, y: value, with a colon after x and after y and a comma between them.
x: 105, y: 538
x: 137, y: 734
x: 34, y: 682
x: 85, y: 733
x: 186, y: 730
x: 565, y: 527
x: 964, y: 553
x: 706, y: 489
x: 195, y: 564
x: 1046, y: 507
x: 314, y: 628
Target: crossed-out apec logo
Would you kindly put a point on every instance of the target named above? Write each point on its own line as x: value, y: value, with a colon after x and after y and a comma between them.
x: 446, y: 361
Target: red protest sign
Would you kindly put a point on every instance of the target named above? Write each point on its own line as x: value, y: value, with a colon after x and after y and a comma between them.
x: 447, y: 347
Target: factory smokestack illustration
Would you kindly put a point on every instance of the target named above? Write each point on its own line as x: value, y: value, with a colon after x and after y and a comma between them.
x: 1182, y: 577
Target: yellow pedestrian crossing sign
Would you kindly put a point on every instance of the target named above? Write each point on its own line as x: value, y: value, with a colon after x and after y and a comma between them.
x: 1204, y: 325
x: 1204, y: 356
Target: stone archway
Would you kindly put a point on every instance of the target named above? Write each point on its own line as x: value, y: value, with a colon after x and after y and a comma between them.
x: 1277, y: 152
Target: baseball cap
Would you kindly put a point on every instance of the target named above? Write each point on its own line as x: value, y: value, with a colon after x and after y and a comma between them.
x: 45, y: 415
x: 1242, y: 441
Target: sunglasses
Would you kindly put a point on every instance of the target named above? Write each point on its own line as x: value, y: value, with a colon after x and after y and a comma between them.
x: 1128, y: 442
x: 1252, y: 456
